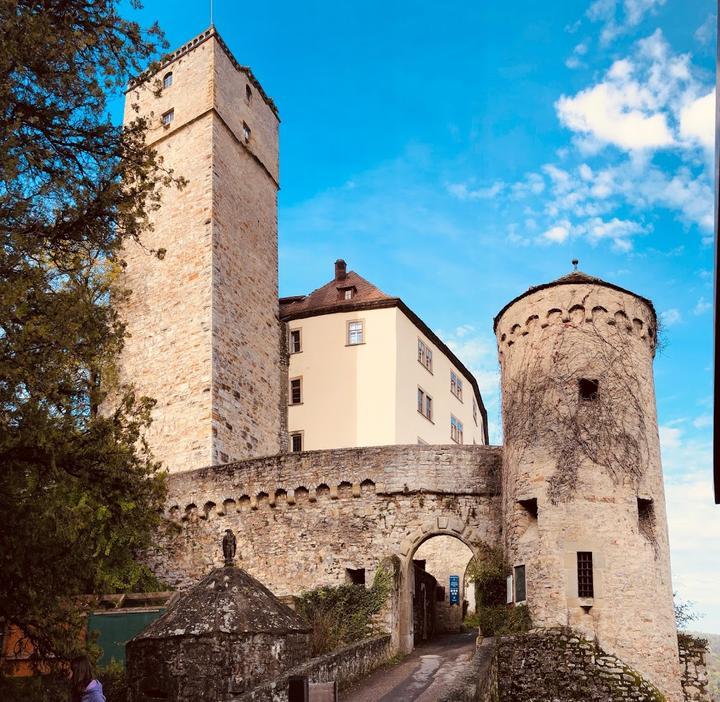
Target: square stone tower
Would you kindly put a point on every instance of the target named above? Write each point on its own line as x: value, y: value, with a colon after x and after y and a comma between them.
x: 203, y: 321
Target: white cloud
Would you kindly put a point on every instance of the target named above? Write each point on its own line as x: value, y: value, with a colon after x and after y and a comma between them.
x: 702, y: 306
x: 463, y: 192
x: 697, y: 121
x: 703, y: 421
x: 639, y: 103
x: 670, y: 317
x: 557, y: 234
x: 705, y: 33
x: 619, y: 17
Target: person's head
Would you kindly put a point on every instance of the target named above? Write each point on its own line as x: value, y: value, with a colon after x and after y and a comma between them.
x: 81, y: 671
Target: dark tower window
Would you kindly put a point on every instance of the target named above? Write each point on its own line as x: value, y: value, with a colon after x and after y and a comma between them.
x: 355, y: 576
x: 530, y: 506
x: 248, y: 93
x: 585, y: 574
x: 246, y: 133
x: 588, y: 389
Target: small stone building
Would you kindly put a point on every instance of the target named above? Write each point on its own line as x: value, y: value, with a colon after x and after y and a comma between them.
x: 226, y: 635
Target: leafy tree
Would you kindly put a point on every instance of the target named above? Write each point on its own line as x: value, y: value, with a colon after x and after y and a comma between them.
x: 79, y: 489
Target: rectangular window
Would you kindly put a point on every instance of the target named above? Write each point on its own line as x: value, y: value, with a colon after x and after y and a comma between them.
x: 167, y: 80
x: 168, y: 117
x: 355, y: 576
x: 246, y: 133
x: 296, y: 441
x: 456, y: 385
x: 295, y: 341
x: 520, y: 594
x: 456, y: 430
x: 296, y: 391
x: 424, y: 404
x: 424, y: 355
x: 355, y: 333
x: 474, y: 411
x: 585, y: 574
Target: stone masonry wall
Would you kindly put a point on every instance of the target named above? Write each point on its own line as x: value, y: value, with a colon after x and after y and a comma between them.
x: 246, y: 419
x: 344, y: 666
x: 168, y: 354
x: 557, y: 664
x: 302, y: 519
x: 693, y: 667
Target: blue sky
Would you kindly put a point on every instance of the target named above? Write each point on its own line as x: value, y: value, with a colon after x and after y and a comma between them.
x: 457, y: 153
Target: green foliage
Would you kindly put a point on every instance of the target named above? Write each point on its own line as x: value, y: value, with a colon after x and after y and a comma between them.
x: 493, y: 616
x: 343, y: 614
x: 685, y: 612
x: 56, y: 687
x: 503, y: 619
x: 79, y: 491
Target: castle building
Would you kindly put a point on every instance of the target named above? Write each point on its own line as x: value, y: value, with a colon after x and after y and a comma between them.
x: 203, y: 321
x: 365, y: 370
x: 574, y: 498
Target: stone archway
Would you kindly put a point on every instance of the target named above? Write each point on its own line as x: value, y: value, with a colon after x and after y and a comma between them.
x: 403, y: 636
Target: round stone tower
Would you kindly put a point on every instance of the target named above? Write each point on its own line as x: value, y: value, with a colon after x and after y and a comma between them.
x: 583, y: 502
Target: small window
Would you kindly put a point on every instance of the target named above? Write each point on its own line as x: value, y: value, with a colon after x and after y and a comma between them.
x: 347, y: 293
x: 588, y: 389
x: 456, y: 430
x: 355, y: 576
x: 167, y: 80
x: 424, y: 355
x: 295, y: 341
x: 355, y: 334
x: 456, y: 385
x: 167, y: 117
x: 248, y: 94
x: 585, y: 574
x: 519, y: 579
x: 530, y: 506
x: 474, y: 411
x: 296, y: 442
x: 296, y: 391
x: 424, y: 404
x: 246, y: 133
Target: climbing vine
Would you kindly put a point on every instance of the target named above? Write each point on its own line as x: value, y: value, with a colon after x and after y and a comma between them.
x: 544, y: 408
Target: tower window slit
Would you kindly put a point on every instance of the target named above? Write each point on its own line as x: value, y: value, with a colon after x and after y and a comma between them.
x: 585, y: 574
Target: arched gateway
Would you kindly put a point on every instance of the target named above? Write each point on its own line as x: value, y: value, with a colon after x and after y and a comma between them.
x: 325, y: 517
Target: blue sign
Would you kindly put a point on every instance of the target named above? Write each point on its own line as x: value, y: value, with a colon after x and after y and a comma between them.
x: 454, y: 589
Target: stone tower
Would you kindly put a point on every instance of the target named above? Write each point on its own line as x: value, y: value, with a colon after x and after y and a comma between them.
x: 203, y: 322
x: 583, y: 498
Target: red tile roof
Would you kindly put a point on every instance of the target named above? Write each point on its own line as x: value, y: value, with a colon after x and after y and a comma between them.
x: 330, y: 296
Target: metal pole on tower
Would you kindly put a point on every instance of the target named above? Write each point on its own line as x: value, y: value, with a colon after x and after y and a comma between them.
x: 211, y: 13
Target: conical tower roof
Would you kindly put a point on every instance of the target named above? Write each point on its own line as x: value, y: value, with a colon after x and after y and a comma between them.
x: 575, y: 277
x: 227, y: 601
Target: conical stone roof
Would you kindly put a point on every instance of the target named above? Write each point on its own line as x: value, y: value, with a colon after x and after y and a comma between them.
x: 574, y: 277
x: 227, y: 601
